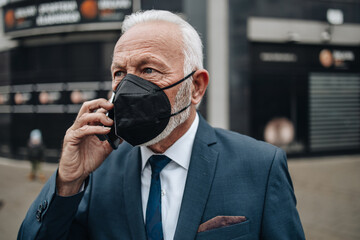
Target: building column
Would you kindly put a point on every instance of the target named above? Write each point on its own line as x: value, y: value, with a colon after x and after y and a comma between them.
x: 136, y: 5
x: 217, y: 62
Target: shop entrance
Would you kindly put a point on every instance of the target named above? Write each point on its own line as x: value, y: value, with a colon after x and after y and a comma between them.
x: 304, y: 98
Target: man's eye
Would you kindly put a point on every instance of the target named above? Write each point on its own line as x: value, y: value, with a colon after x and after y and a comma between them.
x: 119, y: 74
x: 148, y: 70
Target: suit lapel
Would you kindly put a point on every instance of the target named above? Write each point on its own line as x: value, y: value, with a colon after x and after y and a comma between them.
x: 198, y: 184
x: 132, y: 195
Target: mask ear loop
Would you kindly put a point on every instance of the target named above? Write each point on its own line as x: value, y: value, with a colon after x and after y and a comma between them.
x: 173, y: 114
x: 178, y: 82
x: 172, y: 85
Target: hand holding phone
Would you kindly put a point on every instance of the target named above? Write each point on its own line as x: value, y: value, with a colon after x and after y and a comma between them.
x: 111, y: 136
x: 81, y: 153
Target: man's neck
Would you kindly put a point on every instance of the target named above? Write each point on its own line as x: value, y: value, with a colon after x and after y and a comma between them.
x: 177, y: 133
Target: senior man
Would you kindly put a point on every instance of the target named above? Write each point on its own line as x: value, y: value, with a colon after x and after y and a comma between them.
x: 173, y: 176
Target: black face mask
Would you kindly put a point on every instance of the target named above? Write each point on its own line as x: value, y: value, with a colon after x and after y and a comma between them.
x: 141, y: 109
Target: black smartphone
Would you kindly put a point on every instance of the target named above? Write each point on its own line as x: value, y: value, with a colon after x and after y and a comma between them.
x: 111, y: 136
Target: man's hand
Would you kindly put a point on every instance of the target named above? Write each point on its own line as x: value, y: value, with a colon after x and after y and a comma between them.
x: 82, y: 151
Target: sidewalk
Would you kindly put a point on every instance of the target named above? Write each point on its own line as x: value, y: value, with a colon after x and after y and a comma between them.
x: 327, y: 190
x: 328, y: 195
x: 17, y: 193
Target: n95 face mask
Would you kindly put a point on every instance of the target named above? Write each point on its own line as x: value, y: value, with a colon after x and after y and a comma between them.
x: 141, y: 109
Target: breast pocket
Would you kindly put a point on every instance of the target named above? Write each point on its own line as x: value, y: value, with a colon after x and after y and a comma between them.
x: 233, y: 232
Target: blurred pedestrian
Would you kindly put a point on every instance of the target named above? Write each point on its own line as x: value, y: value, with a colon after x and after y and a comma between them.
x: 36, y: 154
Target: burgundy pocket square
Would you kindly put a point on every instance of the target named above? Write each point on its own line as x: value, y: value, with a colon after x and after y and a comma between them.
x: 220, y: 221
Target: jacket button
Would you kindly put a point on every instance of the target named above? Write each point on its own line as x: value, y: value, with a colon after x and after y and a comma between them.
x: 44, y: 205
x: 38, y: 215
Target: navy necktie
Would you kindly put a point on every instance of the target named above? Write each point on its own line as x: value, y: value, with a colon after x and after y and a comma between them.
x: 153, y: 224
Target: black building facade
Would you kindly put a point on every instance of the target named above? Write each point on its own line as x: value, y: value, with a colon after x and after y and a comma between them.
x: 61, y: 58
x: 293, y: 76
x: 295, y: 73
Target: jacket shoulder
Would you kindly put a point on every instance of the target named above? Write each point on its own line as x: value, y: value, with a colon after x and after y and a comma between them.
x: 244, y: 146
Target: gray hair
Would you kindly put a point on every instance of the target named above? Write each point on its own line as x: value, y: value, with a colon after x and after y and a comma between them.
x: 192, y: 45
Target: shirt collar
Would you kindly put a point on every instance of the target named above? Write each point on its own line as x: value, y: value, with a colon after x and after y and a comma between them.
x: 180, y: 151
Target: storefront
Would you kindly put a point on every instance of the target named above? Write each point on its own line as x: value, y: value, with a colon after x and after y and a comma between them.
x: 294, y: 74
x: 286, y: 75
x: 306, y: 98
x: 57, y: 54
x: 62, y: 59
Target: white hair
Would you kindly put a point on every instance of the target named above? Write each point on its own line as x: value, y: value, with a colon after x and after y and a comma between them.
x: 192, y: 45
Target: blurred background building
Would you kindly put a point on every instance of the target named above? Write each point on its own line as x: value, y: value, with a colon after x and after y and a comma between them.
x: 284, y: 71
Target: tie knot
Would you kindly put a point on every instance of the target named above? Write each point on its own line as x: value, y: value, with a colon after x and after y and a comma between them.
x: 158, y: 162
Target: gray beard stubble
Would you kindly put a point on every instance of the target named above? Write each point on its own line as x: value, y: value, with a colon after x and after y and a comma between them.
x: 182, y: 99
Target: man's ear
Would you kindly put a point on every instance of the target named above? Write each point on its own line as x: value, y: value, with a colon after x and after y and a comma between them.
x: 200, y: 82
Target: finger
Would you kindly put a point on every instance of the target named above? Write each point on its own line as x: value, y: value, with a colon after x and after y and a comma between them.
x: 87, y: 130
x: 92, y: 119
x: 91, y: 106
x: 101, y: 110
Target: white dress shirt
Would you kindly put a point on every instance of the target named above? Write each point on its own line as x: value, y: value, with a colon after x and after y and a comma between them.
x: 172, y: 177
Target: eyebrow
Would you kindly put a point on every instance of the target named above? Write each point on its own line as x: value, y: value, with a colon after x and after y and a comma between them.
x: 115, y: 65
x: 144, y: 60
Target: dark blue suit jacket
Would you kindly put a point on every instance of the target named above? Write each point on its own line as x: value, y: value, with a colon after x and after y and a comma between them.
x: 229, y: 174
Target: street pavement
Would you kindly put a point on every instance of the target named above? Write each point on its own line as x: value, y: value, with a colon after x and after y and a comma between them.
x: 327, y: 191
x: 328, y: 195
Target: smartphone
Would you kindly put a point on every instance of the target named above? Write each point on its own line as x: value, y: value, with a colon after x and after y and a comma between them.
x: 111, y: 136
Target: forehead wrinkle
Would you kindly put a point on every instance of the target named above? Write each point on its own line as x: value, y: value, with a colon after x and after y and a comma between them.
x: 151, y: 46
x: 148, y: 55
x: 138, y: 61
